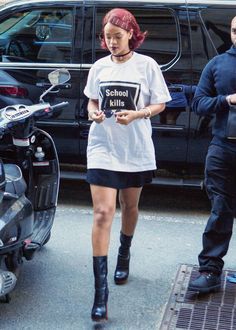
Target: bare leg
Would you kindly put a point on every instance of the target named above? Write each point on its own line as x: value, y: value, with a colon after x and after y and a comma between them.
x: 104, y: 206
x: 129, y: 199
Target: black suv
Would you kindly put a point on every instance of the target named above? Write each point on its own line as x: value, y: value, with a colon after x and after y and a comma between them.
x: 39, y: 36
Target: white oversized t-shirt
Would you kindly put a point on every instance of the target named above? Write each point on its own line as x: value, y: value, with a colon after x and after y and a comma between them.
x: 131, y: 85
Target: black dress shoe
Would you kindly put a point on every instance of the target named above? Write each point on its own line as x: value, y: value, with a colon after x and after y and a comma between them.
x: 206, y: 283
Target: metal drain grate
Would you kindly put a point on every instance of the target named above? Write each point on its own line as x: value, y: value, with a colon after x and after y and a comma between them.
x: 187, y: 310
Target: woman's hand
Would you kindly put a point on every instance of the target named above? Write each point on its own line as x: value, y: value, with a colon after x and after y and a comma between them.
x: 93, y: 112
x: 98, y: 116
x: 125, y: 117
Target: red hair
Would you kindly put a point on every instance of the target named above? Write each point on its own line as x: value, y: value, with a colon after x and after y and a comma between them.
x: 126, y: 21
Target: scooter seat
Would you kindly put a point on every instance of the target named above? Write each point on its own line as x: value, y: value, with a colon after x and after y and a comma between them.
x: 15, y: 183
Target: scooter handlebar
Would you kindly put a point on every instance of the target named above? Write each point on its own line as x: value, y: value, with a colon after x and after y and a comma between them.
x: 59, y: 105
x: 18, y: 112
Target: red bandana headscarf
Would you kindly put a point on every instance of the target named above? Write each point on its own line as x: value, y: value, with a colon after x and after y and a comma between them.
x: 126, y: 21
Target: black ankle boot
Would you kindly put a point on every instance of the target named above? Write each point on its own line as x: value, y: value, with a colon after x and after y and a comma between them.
x: 206, y: 282
x: 123, y: 259
x: 99, y: 310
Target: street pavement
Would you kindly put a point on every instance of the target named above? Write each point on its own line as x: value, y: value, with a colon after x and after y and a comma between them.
x: 55, y: 289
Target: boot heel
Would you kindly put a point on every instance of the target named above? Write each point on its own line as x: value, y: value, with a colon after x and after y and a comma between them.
x: 99, y: 311
x: 122, y: 270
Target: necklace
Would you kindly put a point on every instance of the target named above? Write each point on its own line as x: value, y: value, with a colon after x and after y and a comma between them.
x: 122, y: 57
x: 123, y: 54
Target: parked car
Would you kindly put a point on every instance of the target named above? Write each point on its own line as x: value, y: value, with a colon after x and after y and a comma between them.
x: 41, y: 35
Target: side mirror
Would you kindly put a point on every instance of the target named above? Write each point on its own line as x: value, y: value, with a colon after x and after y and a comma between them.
x: 56, y: 78
x: 59, y: 77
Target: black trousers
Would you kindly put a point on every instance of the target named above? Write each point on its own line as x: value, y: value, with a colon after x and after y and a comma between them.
x: 220, y: 181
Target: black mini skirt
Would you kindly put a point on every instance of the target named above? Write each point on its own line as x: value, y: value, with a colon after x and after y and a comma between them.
x: 118, y: 180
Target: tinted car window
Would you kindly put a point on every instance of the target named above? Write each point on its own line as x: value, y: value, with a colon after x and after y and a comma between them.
x: 218, y: 27
x: 161, y: 42
x: 202, y: 48
x: 38, y: 36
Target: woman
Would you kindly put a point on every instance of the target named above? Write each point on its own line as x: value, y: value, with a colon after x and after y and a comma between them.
x: 125, y: 89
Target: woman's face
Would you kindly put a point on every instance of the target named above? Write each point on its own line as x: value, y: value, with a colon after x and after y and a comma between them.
x: 117, y: 39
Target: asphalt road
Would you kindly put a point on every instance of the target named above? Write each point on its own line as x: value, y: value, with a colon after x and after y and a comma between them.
x: 55, y: 289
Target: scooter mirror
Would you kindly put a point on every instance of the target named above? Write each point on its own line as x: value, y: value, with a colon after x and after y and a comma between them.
x: 59, y: 77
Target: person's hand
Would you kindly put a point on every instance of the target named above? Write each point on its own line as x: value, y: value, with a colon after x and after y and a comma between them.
x: 126, y: 116
x: 233, y: 99
x: 98, y: 116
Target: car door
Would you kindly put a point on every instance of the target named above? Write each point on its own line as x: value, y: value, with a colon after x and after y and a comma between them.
x: 168, y: 43
x: 36, y: 39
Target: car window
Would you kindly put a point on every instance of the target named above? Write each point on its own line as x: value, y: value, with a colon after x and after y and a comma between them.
x: 11, y: 21
x: 218, y: 27
x: 38, y: 35
x: 161, y: 42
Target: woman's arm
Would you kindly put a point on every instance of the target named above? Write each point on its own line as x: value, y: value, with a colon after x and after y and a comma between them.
x: 93, y: 111
x: 127, y: 116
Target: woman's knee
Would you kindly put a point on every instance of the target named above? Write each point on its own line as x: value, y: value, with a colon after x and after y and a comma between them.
x: 128, y: 208
x: 103, y: 215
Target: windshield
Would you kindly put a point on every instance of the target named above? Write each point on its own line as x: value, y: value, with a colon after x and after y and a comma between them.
x: 18, y: 20
x: 37, y: 35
